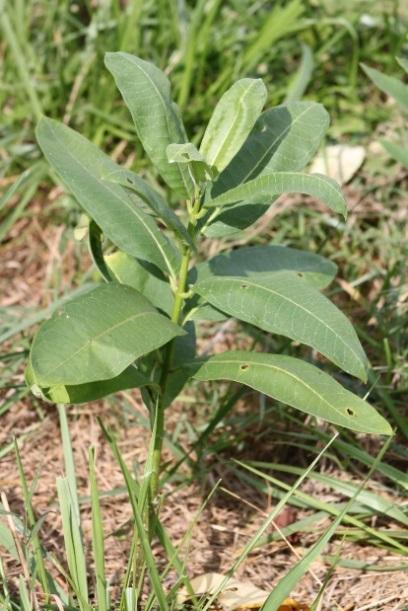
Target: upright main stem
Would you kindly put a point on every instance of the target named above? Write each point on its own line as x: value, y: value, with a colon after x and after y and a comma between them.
x: 177, y: 311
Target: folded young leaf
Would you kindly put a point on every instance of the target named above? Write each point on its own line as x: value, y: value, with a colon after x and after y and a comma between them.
x: 128, y: 270
x: 130, y: 180
x: 389, y: 85
x: 146, y: 91
x: 295, y: 383
x: 261, y: 261
x: 97, y: 335
x: 96, y: 251
x: 81, y: 166
x: 83, y: 393
x: 286, y: 304
x: 284, y: 138
x: 189, y: 155
x: 232, y: 120
x: 267, y: 186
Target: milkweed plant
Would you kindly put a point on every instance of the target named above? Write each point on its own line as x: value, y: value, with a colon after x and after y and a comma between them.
x: 136, y: 328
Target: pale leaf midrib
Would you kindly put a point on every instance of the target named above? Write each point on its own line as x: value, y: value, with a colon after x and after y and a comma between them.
x: 166, y: 118
x: 228, y: 197
x: 89, y: 341
x: 237, y: 119
x: 286, y: 298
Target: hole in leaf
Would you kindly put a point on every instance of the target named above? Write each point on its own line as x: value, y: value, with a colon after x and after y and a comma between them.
x: 350, y: 411
x: 244, y: 286
x: 244, y: 366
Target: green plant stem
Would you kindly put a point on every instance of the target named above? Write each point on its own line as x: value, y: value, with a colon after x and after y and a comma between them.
x: 177, y: 311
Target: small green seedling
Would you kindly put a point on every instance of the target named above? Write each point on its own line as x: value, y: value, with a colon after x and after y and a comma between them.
x: 137, y: 327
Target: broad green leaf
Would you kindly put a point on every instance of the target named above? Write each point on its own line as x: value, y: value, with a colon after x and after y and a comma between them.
x: 146, y: 91
x: 81, y: 166
x: 96, y: 336
x: 287, y: 305
x: 233, y: 219
x: 266, y: 187
x: 206, y: 312
x: 189, y: 155
x: 232, y: 120
x: 130, y: 180
x: 269, y: 185
x: 397, y: 152
x: 84, y: 393
x: 389, y: 85
x: 128, y: 270
x: 296, y: 383
x: 260, y: 261
x: 284, y: 138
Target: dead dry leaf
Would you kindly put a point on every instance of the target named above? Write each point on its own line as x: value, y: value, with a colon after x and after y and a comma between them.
x: 235, y: 595
x: 339, y: 161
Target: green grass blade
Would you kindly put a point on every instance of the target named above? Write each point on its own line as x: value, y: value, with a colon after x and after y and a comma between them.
x: 136, y: 503
x: 302, y: 78
x: 20, y: 63
x: 252, y: 543
x: 31, y: 520
x: 97, y: 538
x: 287, y: 584
x: 74, y: 550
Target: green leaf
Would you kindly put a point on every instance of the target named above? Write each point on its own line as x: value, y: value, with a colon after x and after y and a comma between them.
x: 287, y: 305
x: 260, y: 261
x: 96, y: 251
x: 146, y: 91
x: 265, y: 187
x: 188, y: 154
x: 232, y: 120
x: 84, y: 393
x: 207, y: 312
x: 81, y: 166
x: 284, y: 138
x: 97, y: 335
x: 397, y: 152
x: 128, y: 270
x: 298, y: 384
x: 130, y: 180
x: 389, y: 85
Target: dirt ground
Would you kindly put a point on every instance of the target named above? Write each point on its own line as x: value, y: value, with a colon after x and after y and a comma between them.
x: 30, y: 257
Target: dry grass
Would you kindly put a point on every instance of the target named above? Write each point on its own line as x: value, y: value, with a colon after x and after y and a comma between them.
x: 34, y: 251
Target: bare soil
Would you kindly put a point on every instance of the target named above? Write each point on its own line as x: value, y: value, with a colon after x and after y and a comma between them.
x: 34, y: 252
